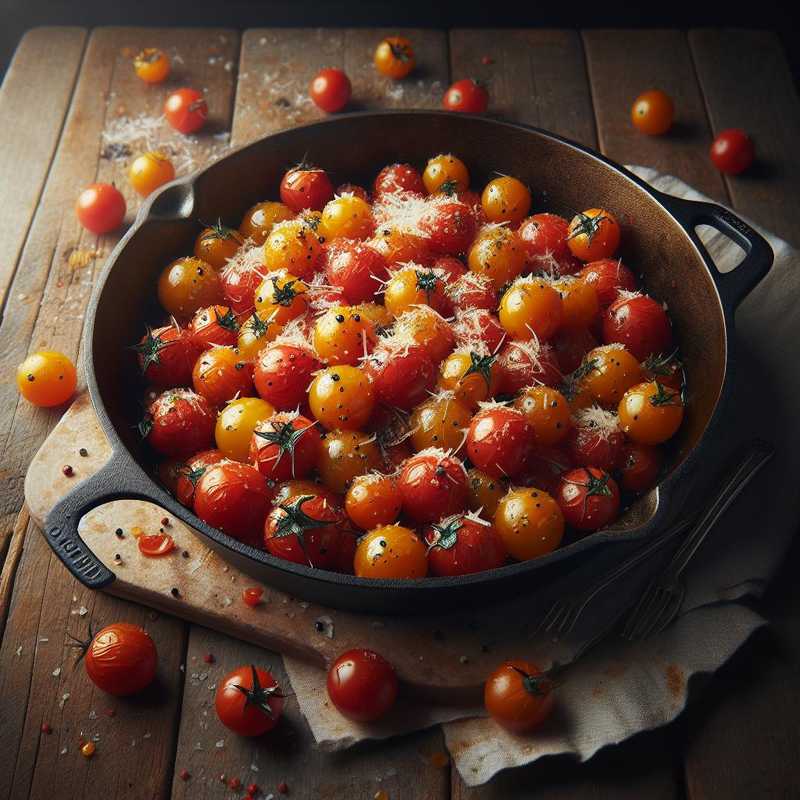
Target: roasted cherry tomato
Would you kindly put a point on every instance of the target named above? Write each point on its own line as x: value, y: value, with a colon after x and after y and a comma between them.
x: 544, y: 467
x: 531, y: 308
x: 732, y: 151
x: 342, y: 335
x: 498, y: 440
x: 217, y: 245
x: 288, y: 489
x: 235, y: 498
x: 529, y: 522
x: 652, y: 112
x: 347, y: 217
x: 257, y: 223
x: 544, y: 240
x: 432, y: 485
x: 579, y: 302
x: 394, y: 57
x: 308, y: 529
x: 179, y: 423
x: 547, y: 412
x: 188, y: 284
x: 595, y: 440
x: 593, y: 234
x: 362, y: 685
x: 570, y: 346
x: 152, y: 65
x: 283, y: 373
x: 484, y: 492
x: 523, y: 364
x: 220, y: 374
x: 447, y: 174
x: 191, y: 471
x: 466, y: 96
x: 346, y: 455
x: 149, y: 171
x: 257, y: 331
x: 506, y: 199
x: 398, y: 178
x: 330, y: 89
x: 47, y: 378
x: 293, y: 247
x: 391, y: 551
x: 236, y: 423
x: 472, y: 291
x: 401, y: 379
x: 439, y: 422
x: 650, y: 413
x: 448, y: 227
x: 341, y: 397
x: 186, y: 110
x: 460, y: 545
x: 214, y: 326
x: 155, y: 544
x: 588, y: 498
x: 519, y: 696
x: 282, y: 296
x: 666, y: 369
x: 357, y: 269
x: 249, y: 701
x: 100, y: 208
x: 497, y: 253
x: 427, y: 329
x: 640, y: 323
x: 608, y: 372
x: 305, y: 187
x: 608, y: 276
x: 285, y: 445
x: 478, y: 329
x: 373, y: 500
x: 400, y: 247
x: 121, y: 659
x: 640, y: 466
x: 473, y: 377
x: 413, y: 286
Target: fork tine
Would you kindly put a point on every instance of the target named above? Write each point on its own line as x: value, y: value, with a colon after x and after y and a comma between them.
x: 568, y: 621
x: 548, y: 620
x: 650, y: 601
x: 658, y: 621
x: 671, y: 611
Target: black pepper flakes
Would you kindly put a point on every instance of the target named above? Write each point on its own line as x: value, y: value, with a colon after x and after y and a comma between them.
x: 174, y: 591
x: 83, y: 452
x: 119, y: 533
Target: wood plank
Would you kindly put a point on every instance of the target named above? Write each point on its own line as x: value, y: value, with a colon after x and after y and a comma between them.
x: 277, y: 65
x: 49, y: 59
x: 747, y: 83
x: 46, y: 602
x: 621, y: 66
x: 533, y: 76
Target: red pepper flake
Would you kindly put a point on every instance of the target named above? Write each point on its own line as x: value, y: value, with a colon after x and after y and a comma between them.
x: 234, y: 784
x: 209, y: 658
x: 47, y: 728
x: 67, y: 470
x: 283, y: 788
x: 252, y: 596
x: 165, y: 521
x: 252, y: 788
x: 184, y: 774
x: 487, y: 60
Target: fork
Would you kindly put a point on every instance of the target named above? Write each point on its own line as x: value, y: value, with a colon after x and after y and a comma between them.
x: 662, y: 600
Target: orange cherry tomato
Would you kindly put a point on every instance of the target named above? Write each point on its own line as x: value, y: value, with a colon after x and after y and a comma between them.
x: 121, y: 659
x: 258, y: 221
x: 372, y: 500
x: 341, y: 397
x: 394, y: 57
x: 47, y: 378
x: 293, y: 246
x: 439, y: 422
x: 578, y: 301
x: 256, y: 332
x: 653, y: 112
x: 347, y: 217
x: 547, y: 412
x: 529, y: 522
x: 217, y: 244
x: 343, y: 335
x: 155, y: 544
x: 498, y: 254
x: 415, y: 286
x: 187, y: 285
x: 608, y: 372
x: 484, y: 492
x: 220, y: 374
x: 149, y: 171
x: 100, y: 208
x: 446, y: 173
x: 650, y: 413
x: 391, y: 551
x: 282, y: 297
x: 152, y: 65
x: 472, y: 377
x: 530, y: 307
x: 506, y: 199
x: 186, y: 110
x: 345, y: 455
x: 519, y: 696
x: 593, y: 234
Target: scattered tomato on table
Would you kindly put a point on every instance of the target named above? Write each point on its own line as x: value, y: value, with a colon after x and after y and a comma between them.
x: 100, y: 208
x: 732, y: 151
x: 249, y: 701
x: 120, y: 659
x: 152, y: 65
x: 653, y: 112
x: 186, y: 110
x: 519, y: 696
x: 466, y: 96
x: 149, y: 171
x: 47, y: 378
x: 362, y: 685
x: 394, y: 57
x: 330, y: 89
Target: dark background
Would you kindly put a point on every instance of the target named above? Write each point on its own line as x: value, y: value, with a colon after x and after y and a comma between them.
x: 16, y: 16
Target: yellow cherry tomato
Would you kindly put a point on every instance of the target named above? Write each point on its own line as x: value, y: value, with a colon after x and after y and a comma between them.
x: 217, y: 244
x: 653, y: 112
x: 578, y: 301
x: 149, y: 171
x: 506, y: 199
x: 498, y: 254
x: 446, y: 173
x: 593, y: 234
x: 650, y: 413
x: 608, y: 372
x: 256, y: 332
x: 471, y: 376
x: 372, y: 500
x: 47, y: 378
x: 345, y: 455
x: 188, y: 284
x: 375, y: 313
x: 342, y: 335
x: 235, y: 425
x: 530, y: 307
x: 485, y: 492
x: 547, y: 412
x: 259, y: 220
x: 152, y: 65
x: 394, y: 57
x: 391, y: 551
x: 341, y: 397
x: 293, y: 246
x: 347, y: 217
x: 414, y: 286
x: 282, y: 297
x: 439, y: 422
x: 529, y: 522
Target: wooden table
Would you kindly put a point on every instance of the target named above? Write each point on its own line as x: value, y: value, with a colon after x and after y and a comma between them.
x: 740, y: 740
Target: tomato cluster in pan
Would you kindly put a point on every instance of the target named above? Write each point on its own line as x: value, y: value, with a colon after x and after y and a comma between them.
x: 408, y: 379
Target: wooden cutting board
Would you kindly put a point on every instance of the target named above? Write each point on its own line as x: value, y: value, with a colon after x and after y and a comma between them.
x: 443, y: 657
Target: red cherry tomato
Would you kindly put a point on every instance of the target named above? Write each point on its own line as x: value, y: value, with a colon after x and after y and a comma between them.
x: 544, y: 239
x: 283, y: 373
x: 595, y: 441
x: 362, y: 685
x: 432, y: 485
x: 100, y: 208
x: 640, y: 465
x: 498, y: 441
x: 732, y: 151
x: 330, y: 89
x: 156, y: 544
x: 588, y: 498
x: 640, y: 323
x: 285, y: 446
x: 121, y: 659
x: 191, y: 472
x: 249, y: 701
x: 466, y: 96
x: 608, y: 276
x: 215, y: 325
x: 179, y: 422
x: 519, y: 696
x: 401, y: 379
x: 357, y: 269
x: 186, y: 110
x: 449, y: 228
x: 305, y: 187
x: 167, y: 356
x: 544, y: 467
x: 398, y: 178
x: 460, y: 545
x: 523, y: 364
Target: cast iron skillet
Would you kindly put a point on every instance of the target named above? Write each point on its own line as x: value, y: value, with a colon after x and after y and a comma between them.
x: 659, y: 241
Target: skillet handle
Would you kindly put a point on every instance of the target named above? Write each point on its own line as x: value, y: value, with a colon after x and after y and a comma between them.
x: 735, y: 285
x: 61, y: 525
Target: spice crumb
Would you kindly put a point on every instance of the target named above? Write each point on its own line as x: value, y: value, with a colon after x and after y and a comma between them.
x: 119, y: 533
x: 83, y: 452
x: 67, y: 470
x: 174, y: 591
